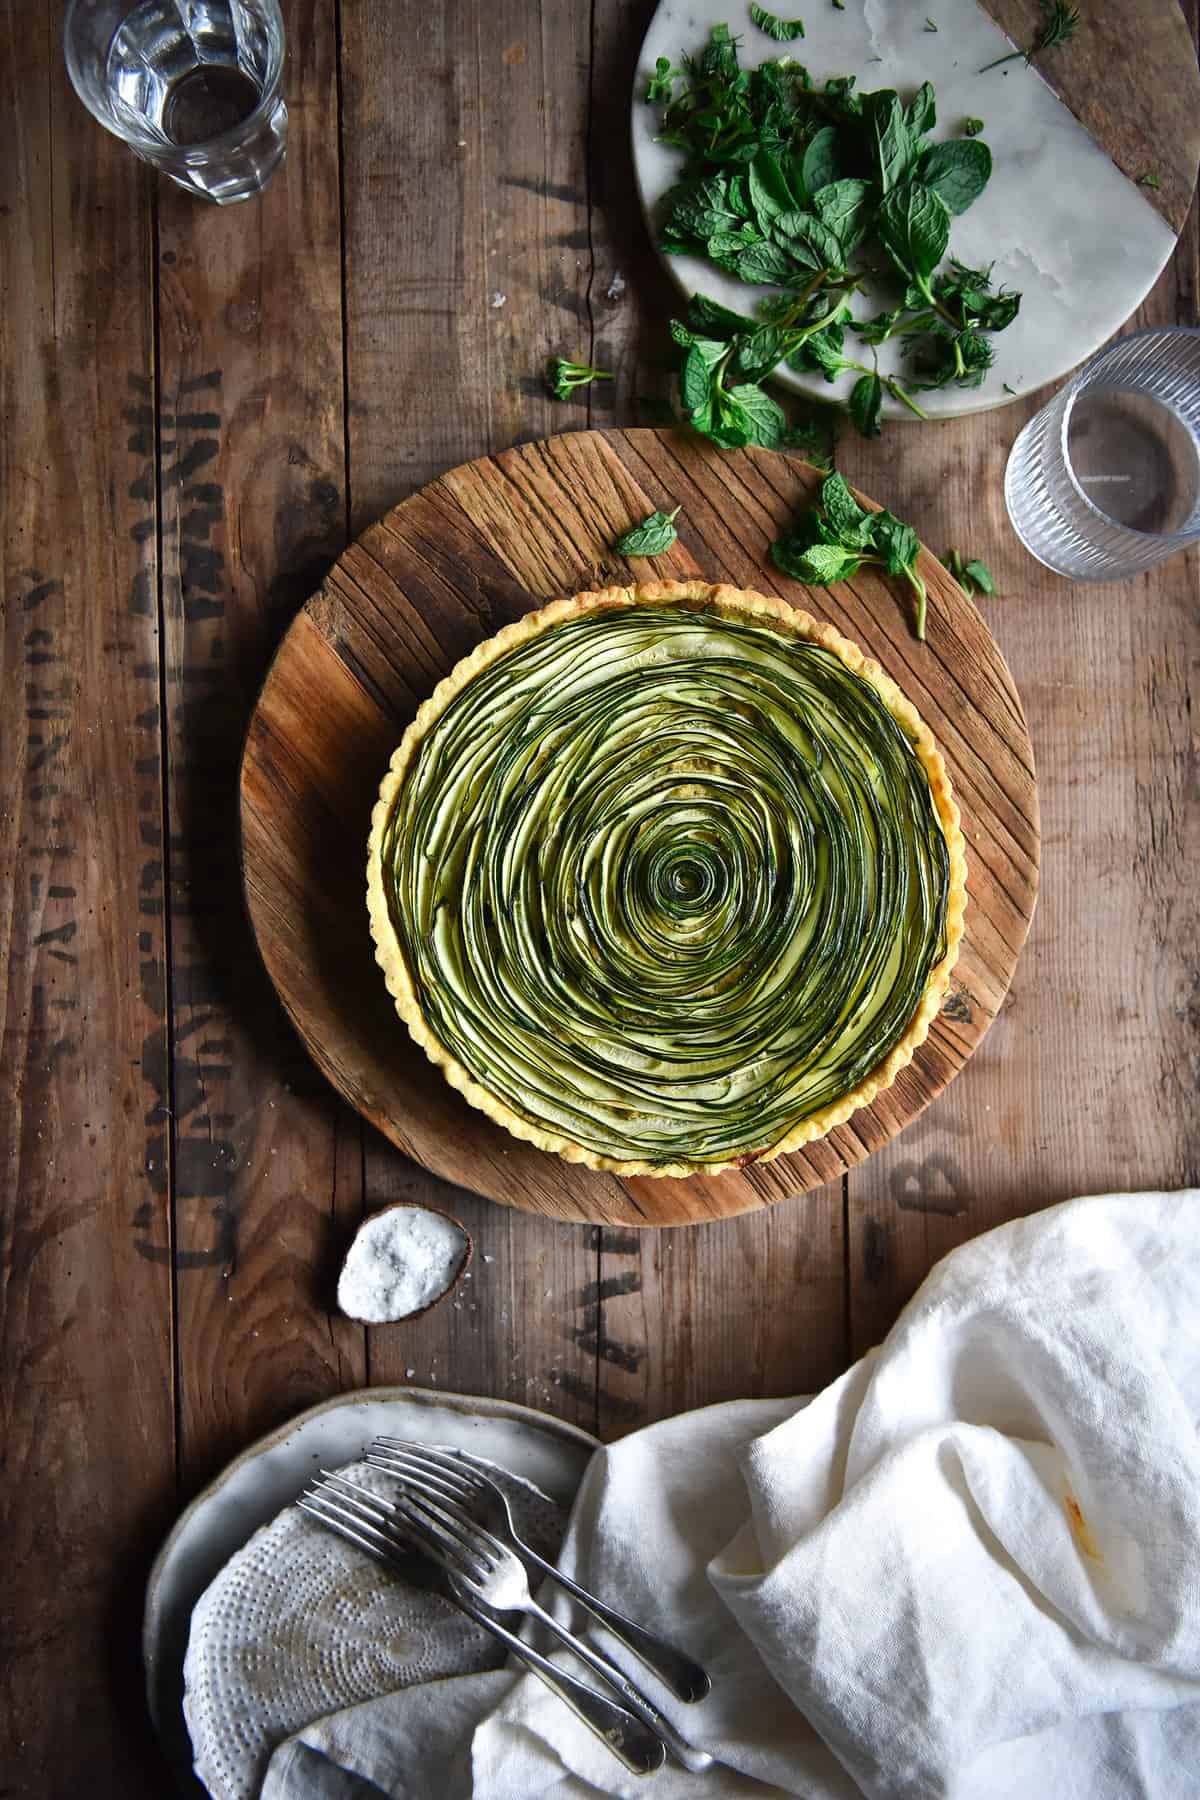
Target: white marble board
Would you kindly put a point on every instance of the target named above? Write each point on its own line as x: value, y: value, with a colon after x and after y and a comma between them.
x: 1078, y: 238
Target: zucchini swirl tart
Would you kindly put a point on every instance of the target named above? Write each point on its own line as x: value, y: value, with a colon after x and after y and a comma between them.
x: 667, y: 879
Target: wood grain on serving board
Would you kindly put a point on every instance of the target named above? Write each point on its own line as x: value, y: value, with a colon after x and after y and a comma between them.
x: 412, y: 596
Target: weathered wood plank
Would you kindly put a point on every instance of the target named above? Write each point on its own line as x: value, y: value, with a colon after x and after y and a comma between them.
x: 1086, y: 1081
x: 254, y: 509
x: 748, y: 1306
x: 467, y: 263
x: 1149, y: 120
x: 466, y: 232
x: 85, y: 1283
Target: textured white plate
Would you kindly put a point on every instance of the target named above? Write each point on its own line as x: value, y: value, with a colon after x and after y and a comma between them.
x: 271, y: 1473
x: 1060, y: 221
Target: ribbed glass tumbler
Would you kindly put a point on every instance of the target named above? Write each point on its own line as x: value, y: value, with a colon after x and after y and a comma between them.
x: 1105, y: 481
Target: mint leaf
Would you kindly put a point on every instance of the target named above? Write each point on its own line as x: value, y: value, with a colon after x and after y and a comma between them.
x: 756, y: 354
x: 823, y: 564
x: 981, y: 575
x: 973, y: 577
x: 714, y: 320
x: 770, y: 263
x: 844, y: 206
x: 699, y: 372
x: 866, y: 405
x: 893, y: 142
x: 784, y: 31
x: 958, y: 171
x: 818, y: 166
x: 972, y: 127
x: 651, y: 538
x: 768, y: 189
x: 897, y: 542
x: 805, y: 228
x: 914, y: 229
x: 764, y: 418
x: 921, y: 114
x: 851, y: 523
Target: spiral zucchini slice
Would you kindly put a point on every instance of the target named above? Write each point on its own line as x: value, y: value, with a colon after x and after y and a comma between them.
x: 667, y: 879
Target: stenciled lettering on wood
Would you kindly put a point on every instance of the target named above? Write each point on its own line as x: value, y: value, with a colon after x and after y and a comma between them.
x: 186, y: 1145
x: 49, y: 712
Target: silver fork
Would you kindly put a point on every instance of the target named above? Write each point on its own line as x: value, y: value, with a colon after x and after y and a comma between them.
x: 359, y: 1516
x: 464, y: 1480
x: 479, y: 1564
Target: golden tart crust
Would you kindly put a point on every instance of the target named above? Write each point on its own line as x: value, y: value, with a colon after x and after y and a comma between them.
x: 729, y: 602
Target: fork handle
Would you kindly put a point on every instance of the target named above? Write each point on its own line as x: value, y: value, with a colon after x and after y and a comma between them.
x: 630, y: 1741
x: 695, y: 1761
x: 685, y: 1678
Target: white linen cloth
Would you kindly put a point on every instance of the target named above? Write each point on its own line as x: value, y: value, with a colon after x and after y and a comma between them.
x: 970, y: 1568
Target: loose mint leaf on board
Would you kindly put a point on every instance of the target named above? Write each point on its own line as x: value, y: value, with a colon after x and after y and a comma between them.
x: 652, y: 537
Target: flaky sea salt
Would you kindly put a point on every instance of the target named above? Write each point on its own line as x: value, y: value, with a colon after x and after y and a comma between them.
x: 401, y: 1261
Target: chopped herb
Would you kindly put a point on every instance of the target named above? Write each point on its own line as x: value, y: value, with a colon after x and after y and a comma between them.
x: 929, y: 25
x: 834, y: 539
x: 1059, y: 26
x: 1007, y: 389
x: 662, y: 83
x: 973, y: 577
x: 972, y: 127
x: 651, y: 538
x: 839, y: 5
x: 797, y: 187
x: 1150, y: 181
x: 564, y: 377
x: 784, y: 31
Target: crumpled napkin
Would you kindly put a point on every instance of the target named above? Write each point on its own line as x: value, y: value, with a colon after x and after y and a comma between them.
x: 970, y: 1568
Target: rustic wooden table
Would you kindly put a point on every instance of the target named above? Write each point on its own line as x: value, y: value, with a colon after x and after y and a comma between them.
x: 199, y: 407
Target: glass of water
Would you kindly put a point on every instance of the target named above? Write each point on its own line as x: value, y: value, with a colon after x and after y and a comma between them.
x: 192, y: 86
x: 1105, y: 480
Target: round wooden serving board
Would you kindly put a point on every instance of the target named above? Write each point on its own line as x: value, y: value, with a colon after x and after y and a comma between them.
x: 413, y: 595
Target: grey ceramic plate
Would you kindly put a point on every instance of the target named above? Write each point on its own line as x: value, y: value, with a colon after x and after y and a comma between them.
x: 264, y: 1478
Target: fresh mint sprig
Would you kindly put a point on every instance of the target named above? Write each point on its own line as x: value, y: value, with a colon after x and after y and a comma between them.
x: 833, y: 540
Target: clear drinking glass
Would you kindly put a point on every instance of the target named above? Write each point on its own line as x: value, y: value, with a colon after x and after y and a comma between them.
x: 192, y: 86
x: 1105, y: 480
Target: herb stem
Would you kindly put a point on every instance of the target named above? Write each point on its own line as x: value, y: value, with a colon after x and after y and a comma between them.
x: 894, y: 388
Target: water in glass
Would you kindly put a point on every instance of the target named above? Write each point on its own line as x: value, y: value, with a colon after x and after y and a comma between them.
x: 192, y: 86
x: 1135, y: 459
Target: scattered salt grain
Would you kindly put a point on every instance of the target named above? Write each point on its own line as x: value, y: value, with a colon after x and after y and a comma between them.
x: 499, y: 300
x: 616, y: 287
x: 401, y: 1261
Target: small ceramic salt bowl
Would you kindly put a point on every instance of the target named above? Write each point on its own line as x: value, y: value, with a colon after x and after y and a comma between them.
x: 401, y: 1262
